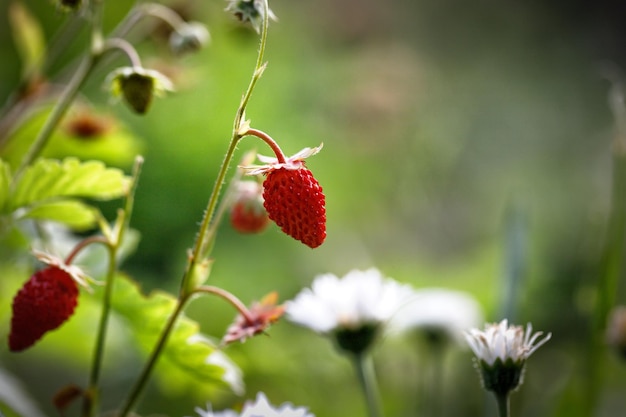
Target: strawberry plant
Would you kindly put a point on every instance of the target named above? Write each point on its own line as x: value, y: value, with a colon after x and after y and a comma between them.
x: 43, y: 197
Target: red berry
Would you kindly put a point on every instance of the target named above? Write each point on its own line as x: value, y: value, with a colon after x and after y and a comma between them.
x: 295, y: 202
x: 247, y: 214
x: 247, y: 218
x: 45, y: 302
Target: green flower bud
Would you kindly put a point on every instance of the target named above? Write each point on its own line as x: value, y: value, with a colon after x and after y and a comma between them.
x: 189, y: 37
x: 138, y: 86
x: 252, y: 11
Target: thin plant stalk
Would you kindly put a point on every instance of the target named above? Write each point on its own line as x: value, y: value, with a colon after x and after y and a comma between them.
x: 114, y: 242
x: 504, y: 407
x: 59, y: 110
x: 71, y: 90
x: 367, y: 380
x: 204, y: 238
x: 141, y: 382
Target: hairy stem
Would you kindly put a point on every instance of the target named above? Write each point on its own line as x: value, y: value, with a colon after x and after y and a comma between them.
x: 204, y: 238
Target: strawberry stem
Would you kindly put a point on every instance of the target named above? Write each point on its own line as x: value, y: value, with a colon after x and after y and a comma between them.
x: 82, y: 245
x: 271, y: 142
x: 228, y: 296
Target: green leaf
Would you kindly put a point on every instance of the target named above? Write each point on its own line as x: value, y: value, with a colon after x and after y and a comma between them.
x: 73, y: 213
x: 186, y: 361
x: 5, y: 181
x: 49, y: 179
x: 28, y: 37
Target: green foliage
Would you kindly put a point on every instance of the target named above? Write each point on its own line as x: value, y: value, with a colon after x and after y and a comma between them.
x: 5, y: 179
x: 184, y: 360
x: 28, y: 37
x: 107, y: 139
x: 73, y: 213
x: 49, y: 179
x: 49, y: 188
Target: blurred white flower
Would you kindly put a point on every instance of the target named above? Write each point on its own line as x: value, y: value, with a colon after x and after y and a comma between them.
x: 440, y: 312
x: 232, y: 374
x: 359, y: 298
x: 353, y: 309
x: 504, y: 342
x: 259, y: 408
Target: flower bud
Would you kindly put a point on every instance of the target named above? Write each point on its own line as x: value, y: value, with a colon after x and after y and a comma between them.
x: 252, y: 11
x: 138, y: 86
x: 190, y: 37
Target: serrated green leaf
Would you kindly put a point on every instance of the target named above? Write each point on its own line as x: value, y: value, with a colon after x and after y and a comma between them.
x: 5, y: 181
x: 185, y: 359
x: 28, y: 37
x: 49, y: 179
x: 73, y: 213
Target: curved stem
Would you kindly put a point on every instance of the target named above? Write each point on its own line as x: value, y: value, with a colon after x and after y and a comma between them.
x: 82, y: 245
x: 271, y: 142
x: 231, y: 298
x: 124, y: 46
x: 164, y: 13
x: 367, y: 380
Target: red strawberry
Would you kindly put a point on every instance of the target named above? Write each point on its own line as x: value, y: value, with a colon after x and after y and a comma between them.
x: 45, y: 302
x: 296, y: 203
x: 247, y: 214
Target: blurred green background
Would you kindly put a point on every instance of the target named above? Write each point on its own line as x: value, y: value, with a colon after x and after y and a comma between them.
x: 449, y: 129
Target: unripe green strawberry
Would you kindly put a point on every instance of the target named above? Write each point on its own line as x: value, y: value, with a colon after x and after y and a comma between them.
x: 296, y: 203
x: 45, y: 302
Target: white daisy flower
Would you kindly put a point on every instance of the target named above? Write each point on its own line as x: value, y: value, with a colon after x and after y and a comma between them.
x: 355, y: 306
x: 259, y: 408
x: 504, y: 342
x: 501, y: 352
x: 439, y: 312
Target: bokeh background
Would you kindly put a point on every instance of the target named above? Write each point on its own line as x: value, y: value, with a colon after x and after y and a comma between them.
x: 467, y: 145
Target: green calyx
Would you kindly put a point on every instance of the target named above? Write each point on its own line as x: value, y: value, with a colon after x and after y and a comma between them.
x: 502, y: 377
x: 357, y: 340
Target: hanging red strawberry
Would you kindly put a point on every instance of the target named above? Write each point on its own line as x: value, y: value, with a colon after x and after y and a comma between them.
x: 293, y: 197
x: 45, y: 302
